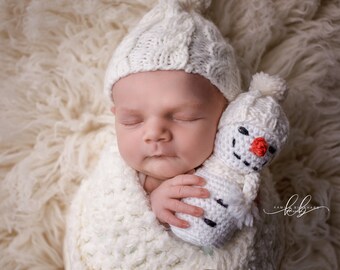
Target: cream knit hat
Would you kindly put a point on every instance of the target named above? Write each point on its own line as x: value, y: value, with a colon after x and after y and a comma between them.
x: 175, y: 36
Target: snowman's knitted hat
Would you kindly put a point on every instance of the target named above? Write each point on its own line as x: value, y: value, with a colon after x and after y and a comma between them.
x: 260, y: 107
x: 174, y: 35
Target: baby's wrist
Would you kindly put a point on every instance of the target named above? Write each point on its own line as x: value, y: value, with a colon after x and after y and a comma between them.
x: 151, y: 183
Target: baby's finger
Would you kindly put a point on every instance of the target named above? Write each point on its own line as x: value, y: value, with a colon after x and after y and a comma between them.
x: 171, y: 219
x: 181, y: 207
x: 191, y: 172
x: 179, y: 192
x: 187, y: 180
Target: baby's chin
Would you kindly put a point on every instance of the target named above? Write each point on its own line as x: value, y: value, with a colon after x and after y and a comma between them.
x: 164, y: 169
x: 165, y: 173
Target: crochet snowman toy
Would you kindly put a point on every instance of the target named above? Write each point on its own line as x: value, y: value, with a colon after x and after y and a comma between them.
x: 251, y: 132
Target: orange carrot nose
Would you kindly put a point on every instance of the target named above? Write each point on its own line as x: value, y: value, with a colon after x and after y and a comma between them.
x: 259, y: 146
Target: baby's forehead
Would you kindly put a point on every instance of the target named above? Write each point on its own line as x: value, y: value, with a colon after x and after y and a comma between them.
x: 165, y: 84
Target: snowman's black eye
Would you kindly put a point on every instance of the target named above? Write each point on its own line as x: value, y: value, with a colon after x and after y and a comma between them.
x: 271, y: 149
x: 243, y: 131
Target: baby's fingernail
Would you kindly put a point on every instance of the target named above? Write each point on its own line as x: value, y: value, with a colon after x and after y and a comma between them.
x: 198, y: 212
x: 185, y: 225
x: 202, y: 181
x: 205, y: 193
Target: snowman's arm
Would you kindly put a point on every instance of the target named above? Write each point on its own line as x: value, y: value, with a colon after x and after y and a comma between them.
x: 251, y: 186
x: 250, y: 190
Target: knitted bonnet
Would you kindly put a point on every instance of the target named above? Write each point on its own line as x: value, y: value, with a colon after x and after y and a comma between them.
x: 174, y: 35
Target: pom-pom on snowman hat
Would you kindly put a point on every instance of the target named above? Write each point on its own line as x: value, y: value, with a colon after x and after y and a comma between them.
x: 260, y: 107
x: 268, y: 85
x: 174, y: 35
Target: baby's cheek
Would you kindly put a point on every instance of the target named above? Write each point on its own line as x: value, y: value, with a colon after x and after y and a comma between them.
x: 207, y: 140
x: 128, y: 144
x: 199, y: 145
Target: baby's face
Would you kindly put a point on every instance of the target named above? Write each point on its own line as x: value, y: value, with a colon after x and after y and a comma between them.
x: 166, y: 121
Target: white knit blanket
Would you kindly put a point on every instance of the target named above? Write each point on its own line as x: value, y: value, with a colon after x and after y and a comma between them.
x: 111, y: 226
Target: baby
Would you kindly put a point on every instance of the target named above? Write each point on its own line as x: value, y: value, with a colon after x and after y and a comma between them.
x: 166, y: 123
x: 170, y: 80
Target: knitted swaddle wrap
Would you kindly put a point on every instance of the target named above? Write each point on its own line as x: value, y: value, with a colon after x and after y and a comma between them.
x: 110, y: 225
x: 252, y: 130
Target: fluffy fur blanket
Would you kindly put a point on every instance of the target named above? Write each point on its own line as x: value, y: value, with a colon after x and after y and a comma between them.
x: 55, y: 121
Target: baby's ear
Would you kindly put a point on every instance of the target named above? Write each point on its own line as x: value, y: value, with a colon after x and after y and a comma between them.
x: 113, y: 110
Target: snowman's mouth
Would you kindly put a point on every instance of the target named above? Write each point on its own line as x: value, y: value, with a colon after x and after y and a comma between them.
x: 245, y: 162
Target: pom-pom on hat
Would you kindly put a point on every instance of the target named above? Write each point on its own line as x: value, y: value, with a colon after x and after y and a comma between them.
x: 174, y: 35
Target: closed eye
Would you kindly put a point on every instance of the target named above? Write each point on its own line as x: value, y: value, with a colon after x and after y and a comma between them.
x: 128, y: 116
x: 130, y: 122
x: 243, y: 131
x: 185, y: 117
x: 182, y: 119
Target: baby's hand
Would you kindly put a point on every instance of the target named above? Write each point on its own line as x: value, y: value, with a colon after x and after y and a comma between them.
x: 165, y: 199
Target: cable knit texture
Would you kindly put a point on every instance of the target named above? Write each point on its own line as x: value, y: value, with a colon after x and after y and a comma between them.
x: 243, y: 147
x: 174, y: 35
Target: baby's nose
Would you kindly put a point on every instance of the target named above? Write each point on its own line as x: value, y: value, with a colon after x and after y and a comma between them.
x: 156, y: 131
x: 259, y: 146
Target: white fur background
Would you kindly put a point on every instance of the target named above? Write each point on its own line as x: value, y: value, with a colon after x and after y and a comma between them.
x: 54, y: 118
